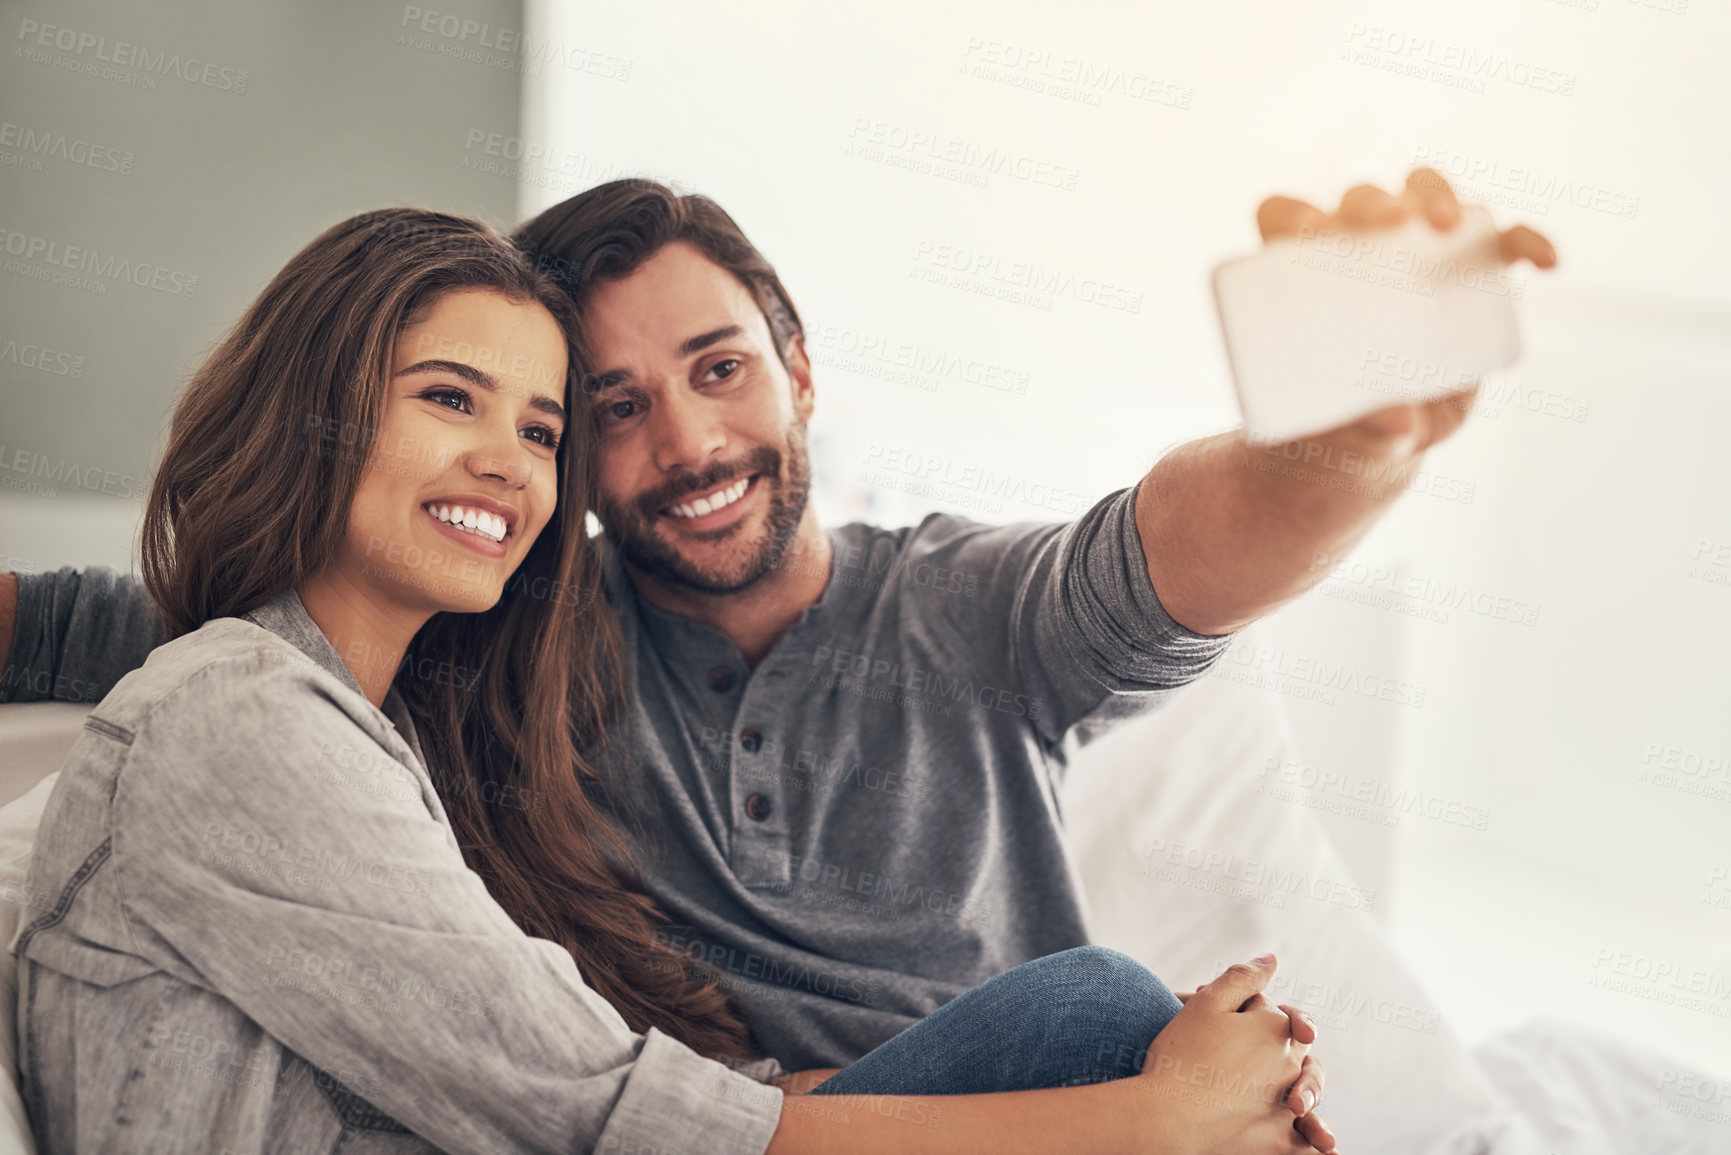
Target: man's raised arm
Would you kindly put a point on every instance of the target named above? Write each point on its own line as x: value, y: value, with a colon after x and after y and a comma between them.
x: 1231, y: 530
x: 70, y: 635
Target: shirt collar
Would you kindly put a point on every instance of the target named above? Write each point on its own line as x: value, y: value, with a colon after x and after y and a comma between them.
x: 286, y: 617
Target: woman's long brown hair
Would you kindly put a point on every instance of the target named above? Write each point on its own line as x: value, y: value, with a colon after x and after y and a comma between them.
x: 267, y: 447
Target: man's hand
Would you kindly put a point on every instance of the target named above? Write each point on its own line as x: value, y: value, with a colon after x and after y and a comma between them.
x: 1366, y: 207
x: 1399, y: 434
x: 1232, y: 531
x: 1236, y: 1069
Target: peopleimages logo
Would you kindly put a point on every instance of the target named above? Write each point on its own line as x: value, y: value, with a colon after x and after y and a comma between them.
x: 26, y: 355
x: 919, y: 683
x: 464, y: 38
x: 870, y: 353
x: 873, y: 139
x: 37, y: 473
x: 41, y: 143
x: 1528, y: 189
x: 992, y: 269
x: 89, y: 263
x: 124, y: 54
x: 944, y: 476
x: 1191, y: 865
x: 772, y: 972
x: 1067, y: 77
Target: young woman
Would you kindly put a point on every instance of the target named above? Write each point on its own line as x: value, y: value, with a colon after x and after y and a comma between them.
x: 319, y: 875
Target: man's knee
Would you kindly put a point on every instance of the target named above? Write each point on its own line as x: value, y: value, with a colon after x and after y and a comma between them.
x: 1117, y: 977
x: 1125, y: 1006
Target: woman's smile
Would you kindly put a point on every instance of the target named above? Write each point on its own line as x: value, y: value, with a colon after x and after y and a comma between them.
x: 480, y: 523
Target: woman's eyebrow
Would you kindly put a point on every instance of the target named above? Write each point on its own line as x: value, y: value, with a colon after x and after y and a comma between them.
x: 484, y: 380
x: 467, y: 372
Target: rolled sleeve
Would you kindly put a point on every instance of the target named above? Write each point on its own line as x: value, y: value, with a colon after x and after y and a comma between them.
x: 1092, y: 633
x: 677, y: 1101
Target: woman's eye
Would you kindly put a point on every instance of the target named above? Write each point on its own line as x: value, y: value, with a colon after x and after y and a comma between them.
x: 544, y: 435
x: 449, y: 398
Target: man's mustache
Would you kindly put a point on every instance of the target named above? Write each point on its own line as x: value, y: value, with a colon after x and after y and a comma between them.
x: 764, y: 459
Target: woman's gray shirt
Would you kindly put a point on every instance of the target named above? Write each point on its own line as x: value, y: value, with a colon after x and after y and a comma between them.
x: 257, y: 934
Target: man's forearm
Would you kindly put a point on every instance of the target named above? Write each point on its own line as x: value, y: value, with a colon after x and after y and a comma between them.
x: 8, y: 614
x: 1231, y: 530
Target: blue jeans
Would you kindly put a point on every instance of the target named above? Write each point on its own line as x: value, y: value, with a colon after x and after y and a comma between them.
x: 1080, y: 1016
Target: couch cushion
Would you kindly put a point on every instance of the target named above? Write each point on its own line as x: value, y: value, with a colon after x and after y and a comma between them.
x: 18, y: 821
x: 34, y: 740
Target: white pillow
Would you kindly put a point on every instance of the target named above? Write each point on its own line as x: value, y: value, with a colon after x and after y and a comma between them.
x: 1188, y: 869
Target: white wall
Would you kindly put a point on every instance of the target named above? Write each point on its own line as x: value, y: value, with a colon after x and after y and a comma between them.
x: 791, y: 116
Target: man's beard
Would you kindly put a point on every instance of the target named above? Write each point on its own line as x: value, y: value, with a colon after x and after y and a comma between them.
x: 634, y: 525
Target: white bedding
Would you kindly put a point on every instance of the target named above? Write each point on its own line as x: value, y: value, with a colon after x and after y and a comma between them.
x: 1188, y: 868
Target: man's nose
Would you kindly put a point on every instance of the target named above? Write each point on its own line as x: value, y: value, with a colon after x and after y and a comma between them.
x: 686, y: 434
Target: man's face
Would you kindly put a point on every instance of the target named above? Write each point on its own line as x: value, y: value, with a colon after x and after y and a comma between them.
x: 704, y: 474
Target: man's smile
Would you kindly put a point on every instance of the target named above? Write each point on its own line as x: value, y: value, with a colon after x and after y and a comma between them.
x: 709, y: 509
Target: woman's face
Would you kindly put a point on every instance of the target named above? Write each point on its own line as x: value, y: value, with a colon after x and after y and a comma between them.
x: 462, y: 476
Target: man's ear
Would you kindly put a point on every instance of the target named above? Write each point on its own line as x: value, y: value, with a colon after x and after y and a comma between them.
x: 799, y: 373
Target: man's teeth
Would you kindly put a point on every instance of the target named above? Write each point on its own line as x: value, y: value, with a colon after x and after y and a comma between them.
x: 476, y: 521
x: 715, y: 501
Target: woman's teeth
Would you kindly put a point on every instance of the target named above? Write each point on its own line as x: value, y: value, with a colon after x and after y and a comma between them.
x: 713, y: 502
x: 476, y: 521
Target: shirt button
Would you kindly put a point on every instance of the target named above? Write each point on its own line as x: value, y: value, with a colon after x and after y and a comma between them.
x: 750, y: 739
x: 722, y: 679
x: 758, y: 807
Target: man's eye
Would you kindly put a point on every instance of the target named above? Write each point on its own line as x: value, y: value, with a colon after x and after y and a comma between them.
x: 726, y: 368
x: 620, y: 410
x: 448, y: 397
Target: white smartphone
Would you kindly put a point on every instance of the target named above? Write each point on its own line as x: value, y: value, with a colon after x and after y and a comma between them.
x: 1326, y: 327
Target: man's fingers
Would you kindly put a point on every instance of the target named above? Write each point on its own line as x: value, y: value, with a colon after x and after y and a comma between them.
x: 1285, y: 217
x: 1446, y: 414
x: 1303, y: 1026
x: 1237, y: 984
x: 1315, y: 1132
x: 1367, y: 207
x: 1521, y: 242
x: 1428, y: 191
x: 1306, y: 1092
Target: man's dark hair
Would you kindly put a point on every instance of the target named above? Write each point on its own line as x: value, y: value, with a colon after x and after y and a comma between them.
x: 605, y: 233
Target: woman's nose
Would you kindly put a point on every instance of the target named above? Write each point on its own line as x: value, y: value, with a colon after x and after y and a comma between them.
x: 511, y: 466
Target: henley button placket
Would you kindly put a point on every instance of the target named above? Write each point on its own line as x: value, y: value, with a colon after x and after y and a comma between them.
x: 759, y: 856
